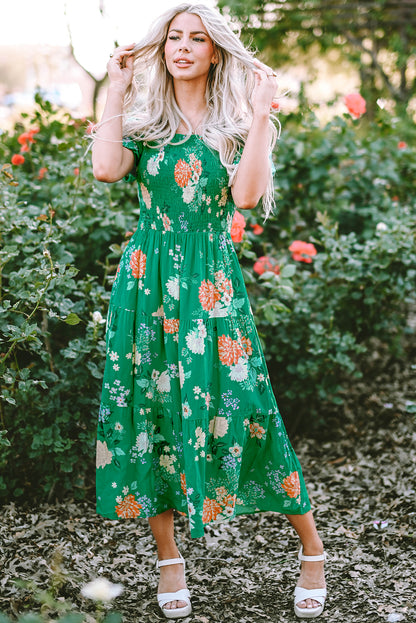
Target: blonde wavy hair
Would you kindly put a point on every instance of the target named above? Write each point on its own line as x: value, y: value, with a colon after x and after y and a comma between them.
x: 151, y: 113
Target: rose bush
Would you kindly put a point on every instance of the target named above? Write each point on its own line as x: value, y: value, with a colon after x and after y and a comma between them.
x: 349, y: 278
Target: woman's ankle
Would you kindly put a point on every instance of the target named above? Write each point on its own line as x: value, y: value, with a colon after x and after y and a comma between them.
x: 313, y: 548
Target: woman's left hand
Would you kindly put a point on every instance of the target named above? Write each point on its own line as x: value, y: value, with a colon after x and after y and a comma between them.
x: 264, y: 89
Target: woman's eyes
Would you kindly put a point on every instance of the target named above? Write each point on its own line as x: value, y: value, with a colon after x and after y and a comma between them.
x: 176, y: 38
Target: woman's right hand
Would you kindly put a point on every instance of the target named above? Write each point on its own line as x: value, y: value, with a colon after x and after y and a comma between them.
x: 120, y: 67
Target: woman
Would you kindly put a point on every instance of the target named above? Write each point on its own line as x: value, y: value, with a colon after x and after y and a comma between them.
x: 188, y: 419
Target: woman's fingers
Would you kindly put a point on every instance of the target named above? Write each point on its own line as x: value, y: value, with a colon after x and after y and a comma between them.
x: 121, y: 55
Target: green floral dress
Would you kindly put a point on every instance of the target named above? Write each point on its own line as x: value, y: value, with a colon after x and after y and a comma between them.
x: 188, y: 419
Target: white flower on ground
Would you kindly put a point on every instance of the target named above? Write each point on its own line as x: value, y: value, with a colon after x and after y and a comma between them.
x: 101, y: 589
x: 97, y: 318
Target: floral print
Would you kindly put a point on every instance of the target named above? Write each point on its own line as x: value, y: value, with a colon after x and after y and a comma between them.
x: 188, y: 418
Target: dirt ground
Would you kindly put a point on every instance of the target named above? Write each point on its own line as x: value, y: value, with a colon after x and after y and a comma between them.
x: 360, y: 470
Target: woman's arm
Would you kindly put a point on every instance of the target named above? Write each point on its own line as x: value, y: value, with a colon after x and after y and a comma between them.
x: 110, y: 160
x: 253, y: 172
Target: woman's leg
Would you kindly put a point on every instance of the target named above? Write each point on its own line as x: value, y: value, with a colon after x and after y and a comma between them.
x: 172, y: 577
x: 312, y: 573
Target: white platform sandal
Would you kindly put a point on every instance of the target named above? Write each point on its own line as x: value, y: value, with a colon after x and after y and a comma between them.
x: 317, y: 594
x: 182, y: 594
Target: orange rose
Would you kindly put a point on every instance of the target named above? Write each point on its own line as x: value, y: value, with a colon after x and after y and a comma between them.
x: 355, y: 104
x: 18, y: 159
x: 237, y: 227
x: 302, y: 251
x: 257, y: 229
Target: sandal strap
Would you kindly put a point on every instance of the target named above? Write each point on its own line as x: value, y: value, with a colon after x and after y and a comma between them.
x: 318, y: 594
x: 182, y: 595
x: 170, y: 561
x: 319, y: 558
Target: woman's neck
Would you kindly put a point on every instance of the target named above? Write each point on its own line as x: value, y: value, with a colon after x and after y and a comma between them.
x: 190, y: 98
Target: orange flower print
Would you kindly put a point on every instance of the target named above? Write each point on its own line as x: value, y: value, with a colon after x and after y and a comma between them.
x: 138, y: 263
x: 229, y: 350
x: 183, y: 173
x: 166, y: 222
x: 246, y: 343
x: 171, y: 325
x: 256, y: 430
x: 208, y: 295
x: 291, y: 485
x: 128, y: 508
x: 183, y: 484
x: 210, y: 510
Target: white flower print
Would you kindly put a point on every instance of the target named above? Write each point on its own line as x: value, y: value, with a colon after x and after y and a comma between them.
x: 218, y: 426
x: 163, y: 382
x: 200, y: 438
x: 167, y: 462
x: 239, y: 372
x: 153, y: 163
x: 218, y: 311
x: 186, y: 410
x: 181, y: 374
x: 188, y: 193
x: 104, y: 456
x: 195, y: 343
x: 113, y: 356
x: 143, y: 443
x: 236, y: 450
x: 172, y: 286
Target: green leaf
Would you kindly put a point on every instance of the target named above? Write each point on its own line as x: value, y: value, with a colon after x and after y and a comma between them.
x: 72, y: 319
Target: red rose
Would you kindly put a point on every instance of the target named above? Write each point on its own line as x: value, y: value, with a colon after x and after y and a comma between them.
x: 401, y: 145
x: 302, y: 251
x: 237, y: 227
x: 18, y: 159
x: 76, y: 171
x: 42, y: 173
x: 355, y: 104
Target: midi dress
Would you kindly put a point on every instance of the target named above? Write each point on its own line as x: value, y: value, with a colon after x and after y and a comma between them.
x: 188, y: 419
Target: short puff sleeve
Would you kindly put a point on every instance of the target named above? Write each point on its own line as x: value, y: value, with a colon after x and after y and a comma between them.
x: 136, y: 147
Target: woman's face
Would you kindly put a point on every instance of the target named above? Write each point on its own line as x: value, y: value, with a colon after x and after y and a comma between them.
x: 189, y: 51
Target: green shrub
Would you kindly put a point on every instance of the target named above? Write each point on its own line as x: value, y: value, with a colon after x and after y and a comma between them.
x: 57, y: 230
x: 352, y: 292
